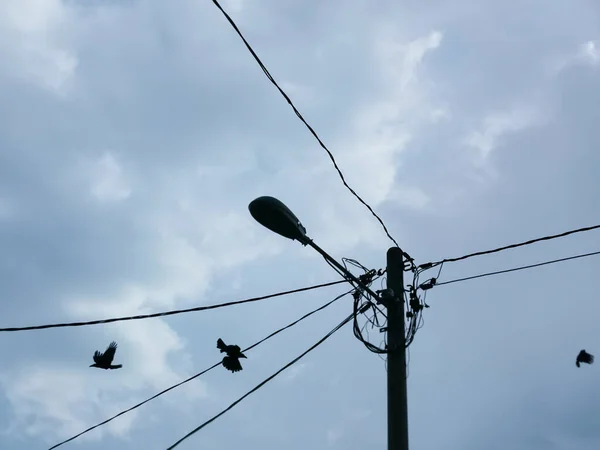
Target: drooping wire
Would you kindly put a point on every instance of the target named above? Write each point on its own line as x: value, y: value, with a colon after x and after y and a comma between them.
x: 261, y: 384
x: 515, y: 269
x: 312, y: 131
x: 170, y: 313
x: 367, y: 275
x: 521, y: 244
x: 363, y: 301
x: 200, y: 373
x: 416, y: 303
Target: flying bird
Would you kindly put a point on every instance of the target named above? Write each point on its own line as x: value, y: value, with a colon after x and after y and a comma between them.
x: 104, y: 360
x: 234, y: 353
x: 584, y: 357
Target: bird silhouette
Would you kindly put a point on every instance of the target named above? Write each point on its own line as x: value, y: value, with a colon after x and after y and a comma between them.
x: 584, y: 357
x: 234, y: 353
x: 104, y: 360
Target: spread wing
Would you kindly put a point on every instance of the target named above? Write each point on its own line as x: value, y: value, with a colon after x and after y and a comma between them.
x: 584, y: 357
x: 221, y: 345
x: 109, y: 354
x: 98, y: 357
x: 231, y: 363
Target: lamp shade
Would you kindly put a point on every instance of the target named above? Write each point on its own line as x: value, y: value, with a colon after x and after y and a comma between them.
x: 274, y: 215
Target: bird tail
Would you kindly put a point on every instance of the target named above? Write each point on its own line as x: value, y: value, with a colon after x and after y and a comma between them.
x: 221, y: 345
x: 116, y: 366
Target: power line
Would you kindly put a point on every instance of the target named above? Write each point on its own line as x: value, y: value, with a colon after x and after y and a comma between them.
x: 171, y: 313
x: 521, y: 244
x: 312, y: 131
x: 203, y: 372
x: 258, y: 386
x: 519, y: 268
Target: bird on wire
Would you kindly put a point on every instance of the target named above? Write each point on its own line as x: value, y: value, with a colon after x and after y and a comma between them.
x: 104, y: 360
x: 234, y: 353
x: 584, y: 357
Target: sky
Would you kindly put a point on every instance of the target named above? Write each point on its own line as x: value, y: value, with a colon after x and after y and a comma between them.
x: 133, y: 135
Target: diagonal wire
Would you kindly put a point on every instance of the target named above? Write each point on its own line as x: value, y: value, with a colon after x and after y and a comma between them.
x: 521, y: 244
x: 569, y: 258
x: 200, y: 373
x: 258, y: 386
x: 312, y: 131
x: 170, y: 313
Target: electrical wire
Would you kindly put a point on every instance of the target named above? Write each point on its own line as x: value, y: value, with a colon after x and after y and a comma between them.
x: 312, y: 131
x: 352, y: 282
x: 521, y: 244
x: 362, y: 303
x: 200, y: 373
x: 415, y: 315
x: 569, y: 258
x: 437, y: 277
x: 258, y: 386
x: 362, y: 300
x: 170, y: 313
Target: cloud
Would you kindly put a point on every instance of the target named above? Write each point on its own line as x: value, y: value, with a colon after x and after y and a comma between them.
x: 37, y: 47
x: 411, y: 197
x: 585, y: 54
x: 401, y: 60
x: 496, y: 125
x: 440, y: 114
x: 53, y: 401
x: 590, y: 53
x: 133, y: 137
x: 294, y: 372
x: 333, y: 436
x: 153, y: 356
x: 384, y: 128
x: 108, y: 183
x: 234, y: 6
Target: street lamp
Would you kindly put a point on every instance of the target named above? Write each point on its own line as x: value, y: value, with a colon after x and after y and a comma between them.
x: 274, y: 215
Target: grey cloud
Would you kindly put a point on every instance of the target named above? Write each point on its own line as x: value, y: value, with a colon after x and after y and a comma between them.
x: 170, y: 91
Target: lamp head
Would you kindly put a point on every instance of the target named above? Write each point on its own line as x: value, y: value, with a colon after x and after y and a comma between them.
x: 274, y: 215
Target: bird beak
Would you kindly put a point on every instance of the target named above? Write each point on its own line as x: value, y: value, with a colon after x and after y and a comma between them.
x: 243, y: 356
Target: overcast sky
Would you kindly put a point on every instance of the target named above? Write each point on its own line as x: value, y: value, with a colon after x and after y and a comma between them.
x: 133, y: 135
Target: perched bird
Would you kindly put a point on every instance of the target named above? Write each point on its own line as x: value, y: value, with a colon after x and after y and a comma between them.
x: 584, y: 357
x: 234, y: 353
x: 104, y: 360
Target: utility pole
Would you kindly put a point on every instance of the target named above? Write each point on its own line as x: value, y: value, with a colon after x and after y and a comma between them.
x: 274, y: 215
x: 396, y: 357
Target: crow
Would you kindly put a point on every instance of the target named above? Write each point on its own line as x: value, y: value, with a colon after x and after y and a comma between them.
x: 234, y: 353
x: 104, y: 360
x: 584, y: 357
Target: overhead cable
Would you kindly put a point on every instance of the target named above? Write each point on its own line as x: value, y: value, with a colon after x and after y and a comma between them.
x: 200, y: 373
x: 312, y: 131
x: 530, y: 266
x: 261, y: 384
x: 521, y: 244
x: 170, y: 313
